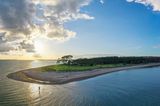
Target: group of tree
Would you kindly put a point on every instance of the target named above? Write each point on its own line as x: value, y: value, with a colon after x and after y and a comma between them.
x: 67, y: 59
x: 107, y: 60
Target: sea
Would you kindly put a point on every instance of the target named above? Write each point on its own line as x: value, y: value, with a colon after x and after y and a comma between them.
x: 135, y: 87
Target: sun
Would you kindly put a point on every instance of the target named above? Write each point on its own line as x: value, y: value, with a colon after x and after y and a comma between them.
x: 39, y: 47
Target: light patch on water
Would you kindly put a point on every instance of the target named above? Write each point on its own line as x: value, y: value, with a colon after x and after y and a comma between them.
x: 35, y: 90
x: 137, y: 87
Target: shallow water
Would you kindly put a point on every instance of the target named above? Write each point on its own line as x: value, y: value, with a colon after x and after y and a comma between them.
x: 137, y: 87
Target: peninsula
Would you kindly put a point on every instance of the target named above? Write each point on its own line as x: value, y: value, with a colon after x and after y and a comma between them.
x: 74, y: 70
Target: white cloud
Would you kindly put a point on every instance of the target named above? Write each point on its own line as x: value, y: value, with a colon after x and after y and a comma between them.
x: 101, y: 1
x: 155, y: 4
x: 23, y: 20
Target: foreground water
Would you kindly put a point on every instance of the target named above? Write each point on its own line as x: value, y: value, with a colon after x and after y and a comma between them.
x: 137, y: 87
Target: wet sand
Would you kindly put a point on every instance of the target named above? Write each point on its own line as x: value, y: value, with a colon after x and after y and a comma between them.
x: 36, y: 75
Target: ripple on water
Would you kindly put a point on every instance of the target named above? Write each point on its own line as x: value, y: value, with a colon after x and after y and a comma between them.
x: 138, y: 87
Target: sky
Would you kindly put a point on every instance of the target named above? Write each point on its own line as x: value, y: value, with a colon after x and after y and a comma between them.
x: 48, y: 29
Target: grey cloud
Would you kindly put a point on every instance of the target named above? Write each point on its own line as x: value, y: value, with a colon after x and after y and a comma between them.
x: 16, y: 15
x: 28, y: 47
x: 2, y: 38
x: 22, y: 20
x: 15, y: 23
x: 6, y: 47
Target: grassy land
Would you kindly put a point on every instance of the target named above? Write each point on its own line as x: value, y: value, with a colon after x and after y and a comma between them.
x: 66, y: 68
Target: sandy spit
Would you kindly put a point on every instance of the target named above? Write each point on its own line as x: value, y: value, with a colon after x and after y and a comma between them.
x: 36, y: 76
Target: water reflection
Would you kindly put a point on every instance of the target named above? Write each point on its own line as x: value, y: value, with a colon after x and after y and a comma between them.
x: 139, y: 87
x: 35, y: 90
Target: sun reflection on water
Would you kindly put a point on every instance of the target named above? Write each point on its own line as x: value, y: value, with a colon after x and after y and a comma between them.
x: 35, y: 90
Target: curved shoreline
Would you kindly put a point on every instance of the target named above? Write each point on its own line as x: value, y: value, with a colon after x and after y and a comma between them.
x: 34, y: 75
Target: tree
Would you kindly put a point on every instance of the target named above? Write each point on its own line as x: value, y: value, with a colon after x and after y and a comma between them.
x: 67, y: 59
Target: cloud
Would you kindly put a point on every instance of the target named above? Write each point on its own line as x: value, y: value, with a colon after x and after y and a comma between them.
x: 6, y: 47
x: 27, y: 46
x: 23, y: 20
x: 101, y: 1
x: 37, y: 56
x: 155, y: 4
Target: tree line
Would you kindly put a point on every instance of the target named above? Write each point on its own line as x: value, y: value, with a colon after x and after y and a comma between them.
x: 108, y: 60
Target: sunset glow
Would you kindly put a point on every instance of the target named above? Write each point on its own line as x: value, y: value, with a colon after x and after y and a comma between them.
x: 47, y: 29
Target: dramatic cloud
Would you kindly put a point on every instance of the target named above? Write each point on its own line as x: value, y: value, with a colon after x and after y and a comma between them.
x: 23, y: 20
x: 155, y: 4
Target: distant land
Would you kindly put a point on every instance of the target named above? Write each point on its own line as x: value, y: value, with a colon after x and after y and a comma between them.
x: 69, y: 70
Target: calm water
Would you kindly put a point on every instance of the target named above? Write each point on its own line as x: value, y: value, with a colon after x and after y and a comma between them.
x: 139, y: 87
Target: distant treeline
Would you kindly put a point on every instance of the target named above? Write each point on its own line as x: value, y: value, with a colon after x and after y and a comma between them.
x: 115, y: 60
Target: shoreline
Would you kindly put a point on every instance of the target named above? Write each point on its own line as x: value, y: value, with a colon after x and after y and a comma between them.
x: 35, y: 75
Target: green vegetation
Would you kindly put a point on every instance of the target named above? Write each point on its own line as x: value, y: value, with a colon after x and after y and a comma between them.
x: 65, y: 60
x: 66, y: 63
x: 64, y: 67
x: 115, y: 60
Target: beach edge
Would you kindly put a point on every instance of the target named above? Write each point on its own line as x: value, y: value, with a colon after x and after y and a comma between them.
x: 35, y: 76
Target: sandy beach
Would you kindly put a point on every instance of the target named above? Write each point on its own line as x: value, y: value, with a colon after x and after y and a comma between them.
x: 35, y: 75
